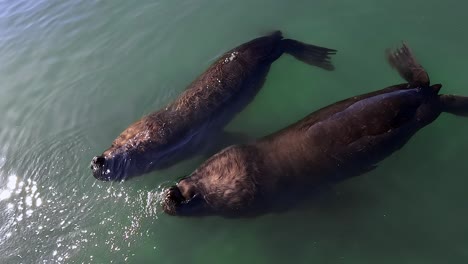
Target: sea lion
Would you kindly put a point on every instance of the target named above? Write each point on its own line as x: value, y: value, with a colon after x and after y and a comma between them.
x: 199, y: 114
x: 335, y: 143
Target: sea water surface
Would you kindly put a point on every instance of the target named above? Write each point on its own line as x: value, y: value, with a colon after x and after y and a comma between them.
x: 74, y: 74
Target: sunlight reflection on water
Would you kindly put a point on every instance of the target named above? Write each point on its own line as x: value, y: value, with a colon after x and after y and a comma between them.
x: 56, y: 225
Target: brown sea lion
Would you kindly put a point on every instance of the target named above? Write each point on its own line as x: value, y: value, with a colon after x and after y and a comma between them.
x: 335, y: 143
x: 198, y: 115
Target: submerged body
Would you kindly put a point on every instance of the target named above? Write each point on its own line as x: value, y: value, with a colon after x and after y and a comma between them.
x: 338, y: 142
x: 193, y: 121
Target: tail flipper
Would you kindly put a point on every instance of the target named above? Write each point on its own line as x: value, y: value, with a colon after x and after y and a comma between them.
x: 407, y: 66
x: 310, y: 54
x: 454, y: 104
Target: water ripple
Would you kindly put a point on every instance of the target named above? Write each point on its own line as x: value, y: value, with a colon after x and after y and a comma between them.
x: 60, y: 222
x: 62, y: 214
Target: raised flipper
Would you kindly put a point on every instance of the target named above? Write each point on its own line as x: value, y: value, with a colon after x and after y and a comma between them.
x: 407, y: 66
x: 454, y: 104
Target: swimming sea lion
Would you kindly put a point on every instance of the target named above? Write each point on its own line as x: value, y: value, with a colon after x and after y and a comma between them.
x: 192, y: 121
x: 335, y: 143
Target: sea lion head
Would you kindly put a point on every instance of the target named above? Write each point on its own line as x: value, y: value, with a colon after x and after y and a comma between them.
x: 142, y: 147
x: 114, y: 165
x: 224, y: 184
x: 184, y: 199
x: 99, y: 166
x: 127, y: 159
x: 132, y: 159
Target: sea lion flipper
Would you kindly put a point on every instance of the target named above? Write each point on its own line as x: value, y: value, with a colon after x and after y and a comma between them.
x: 454, y: 104
x: 405, y: 63
x: 310, y: 54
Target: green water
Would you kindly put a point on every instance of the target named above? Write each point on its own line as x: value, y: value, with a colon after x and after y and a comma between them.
x: 74, y: 74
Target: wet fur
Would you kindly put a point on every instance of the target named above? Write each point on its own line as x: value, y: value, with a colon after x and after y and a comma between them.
x: 326, y: 147
x: 338, y: 142
x: 188, y: 125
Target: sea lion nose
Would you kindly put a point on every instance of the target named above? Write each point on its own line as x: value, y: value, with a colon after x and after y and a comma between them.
x: 172, y: 200
x: 97, y: 162
x: 97, y: 166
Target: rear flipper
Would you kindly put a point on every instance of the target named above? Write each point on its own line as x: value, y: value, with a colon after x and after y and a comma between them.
x: 454, y: 104
x: 310, y: 54
x: 407, y: 66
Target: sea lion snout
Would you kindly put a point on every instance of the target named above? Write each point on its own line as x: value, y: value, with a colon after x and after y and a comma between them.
x: 97, y: 162
x: 114, y: 166
x: 172, y: 199
x: 100, y: 170
x: 184, y: 199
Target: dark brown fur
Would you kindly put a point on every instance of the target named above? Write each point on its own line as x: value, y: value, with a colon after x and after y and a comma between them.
x: 198, y: 115
x: 343, y: 140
